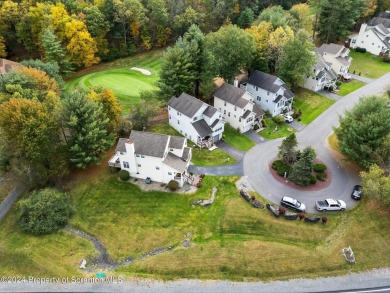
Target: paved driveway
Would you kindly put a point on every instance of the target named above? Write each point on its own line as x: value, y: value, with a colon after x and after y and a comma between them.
x: 257, y: 159
x: 235, y: 153
x: 253, y: 136
x: 233, y: 169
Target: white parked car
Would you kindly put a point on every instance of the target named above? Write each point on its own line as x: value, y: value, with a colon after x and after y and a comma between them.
x: 330, y: 204
x: 287, y: 118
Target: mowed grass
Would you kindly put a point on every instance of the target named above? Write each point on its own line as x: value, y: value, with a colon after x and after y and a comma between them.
x: 120, y: 78
x: 349, y: 87
x: 200, y: 157
x: 55, y: 255
x: 368, y: 65
x: 311, y: 104
x: 282, y: 130
x: 236, y: 139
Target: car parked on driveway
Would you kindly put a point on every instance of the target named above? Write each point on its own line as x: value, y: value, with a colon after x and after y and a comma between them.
x: 293, y: 204
x: 330, y: 204
x: 287, y: 118
x: 357, y: 192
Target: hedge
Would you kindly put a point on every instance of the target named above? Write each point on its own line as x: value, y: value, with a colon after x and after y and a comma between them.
x: 283, y: 169
x: 124, y: 175
x: 319, y: 168
x: 360, y: 50
x: 277, y: 164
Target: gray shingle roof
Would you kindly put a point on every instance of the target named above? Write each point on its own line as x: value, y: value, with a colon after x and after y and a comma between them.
x: 214, y: 123
x: 210, y: 111
x: 246, y: 114
x: 278, y: 98
x: 264, y: 80
x: 258, y: 110
x: 120, y: 147
x: 232, y: 95
x: 186, y: 154
x: 202, y: 128
x: 175, y: 162
x: 383, y: 28
x: 379, y: 20
x: 331, y: 74
x: 149, y: 144
x: 186, y: 104
x: 344, y: 61
x: 330, y: 48
x: 176, y: 142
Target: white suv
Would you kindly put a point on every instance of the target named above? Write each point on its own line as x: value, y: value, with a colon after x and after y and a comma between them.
x: 287, y: 118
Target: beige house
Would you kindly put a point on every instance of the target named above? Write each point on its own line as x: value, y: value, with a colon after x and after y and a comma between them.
x: 337, y: 55
x: 7, y: 65
x: 237, y: 107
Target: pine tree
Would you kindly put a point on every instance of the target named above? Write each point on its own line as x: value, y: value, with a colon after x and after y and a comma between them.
x: 303, y: 169
x: 54, y: 51
x: 85, y: 126
x: 287, y: 150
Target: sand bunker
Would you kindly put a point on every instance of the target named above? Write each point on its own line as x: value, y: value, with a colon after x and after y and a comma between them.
x: 144, y: 71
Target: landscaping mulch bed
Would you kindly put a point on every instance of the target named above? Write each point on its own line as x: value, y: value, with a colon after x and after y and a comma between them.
x: 318, y: 186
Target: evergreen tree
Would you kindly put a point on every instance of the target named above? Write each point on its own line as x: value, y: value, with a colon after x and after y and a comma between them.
x: 303, y: 169
x: 364, y: 130
x: 85, y: 128
x: 54, y: 51
x: 51, y: 68
x: 287, y: 150
x: 246, y: 18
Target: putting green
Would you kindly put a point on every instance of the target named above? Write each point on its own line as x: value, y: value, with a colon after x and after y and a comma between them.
x: 117, y: 76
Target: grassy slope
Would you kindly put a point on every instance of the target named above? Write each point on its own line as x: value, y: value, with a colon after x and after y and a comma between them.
x: 349, y: 87
x: 236, y: 139
x: 368, y: 65
x: 117, y: 76
x: 283, y: 130
x: 200, y: 157
x: 311, y: 104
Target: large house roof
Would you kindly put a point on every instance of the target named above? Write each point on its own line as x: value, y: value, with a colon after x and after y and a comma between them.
x: 7, y: 65
x: 176, y: 142
x: 149, y: 144
x: 120, y: 147
x: 269, y: 83
x: 379, y: 20
x: 258, y: 110
x: 175, y: 162
x: 232, y: 95
x: 210, y: 111
x: 186, y: 104
x: 329, y: 48
x: 383, y: 28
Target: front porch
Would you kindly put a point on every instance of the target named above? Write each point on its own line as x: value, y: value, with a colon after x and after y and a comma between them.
x: 205, y: 142
x: 114, y: 162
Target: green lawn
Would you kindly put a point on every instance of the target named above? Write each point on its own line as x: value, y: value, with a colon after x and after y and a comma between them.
x: 200, y: 157
x: 311, y: 104
x: 349, y: 87
x: 368, y: 65
x: 230, y: 239
x: 237, y: 139
x: 120, y: 78
x: 282, y: 130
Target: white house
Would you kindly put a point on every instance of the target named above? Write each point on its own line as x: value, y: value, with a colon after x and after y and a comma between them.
x: 337, y: 55
x: 196, y: 120
x: 237, y: 107
x: 269, y: 92
x: 161, y: 157
x: 323, y: 75
x: 374, y: 36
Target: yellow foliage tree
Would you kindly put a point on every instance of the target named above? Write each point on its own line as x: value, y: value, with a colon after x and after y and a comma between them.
x: 3, y: 52
x: 277, y: 39
x: 304, y: 16
x: 370, y: 7
x: 261, y: 34
x: 58, y: 19
x: 81, y: 46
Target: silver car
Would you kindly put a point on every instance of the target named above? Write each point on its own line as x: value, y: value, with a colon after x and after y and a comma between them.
x: 293, y: 204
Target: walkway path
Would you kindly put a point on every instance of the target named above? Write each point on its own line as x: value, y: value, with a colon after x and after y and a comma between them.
x: 330, y: 95
x: 362, y: 78
x: 235, y: 153
x: 13, y: 196
x: 253, y: 136
x: 257, y: 159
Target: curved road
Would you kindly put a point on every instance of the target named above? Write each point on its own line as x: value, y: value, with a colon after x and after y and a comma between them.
x: 257, y: 159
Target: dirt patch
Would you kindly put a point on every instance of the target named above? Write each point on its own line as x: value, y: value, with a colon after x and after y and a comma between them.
x: 318, y: 186
x: 161, y: 116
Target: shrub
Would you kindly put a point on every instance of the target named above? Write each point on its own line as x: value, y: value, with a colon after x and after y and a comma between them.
x: 324, y: 219
x: 301, y: 215
x: 277, y: 164
x: 264, y: 123
x: 124, y: 175
x: 278, y: 119
x: 202, y: 175
x: 299, y: 119
x: 338, y: 82
x: 282, y: 210
x: 256, y: 127
x: 313, y: 179
x: 360, y: 50
x: 386, y: 57
x: 282, y: 169
x: 44, y: 211
x: 253, y: 197
x: 321, y: 176
x: 319, y: 168
x: 173, y: 185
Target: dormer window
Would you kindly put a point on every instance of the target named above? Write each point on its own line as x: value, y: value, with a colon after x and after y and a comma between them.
x: 195, y: 118
x: 267, y: 93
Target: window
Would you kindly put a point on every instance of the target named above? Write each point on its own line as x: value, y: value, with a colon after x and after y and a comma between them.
x: 181, y: 131
x: 373, y: 44
x: 362, y: 42
x: 239, y: 119
x: 142, y: 156
x: 139, y: 165
x: 258, y: 98
x: 169, y: 108
x: 224, y: 111
x: 234, y: 116
x: 126, y: 165
x: 235, y: 108
x: 257, y: 88
x: 229, y: 114
x: 137, y: 156
x: 171, y: 150
x: 121, y: 153
x: 224, y: 103
x: 268, y: 92
x: 178, y: 114
x: 170, y: 117
x: 366, y: 36
x: 353, y: 41
x: 169, y: 173
x: 195, y: 118
x: 178, y: 121
x: 157, y: 168
x: 266, y: 101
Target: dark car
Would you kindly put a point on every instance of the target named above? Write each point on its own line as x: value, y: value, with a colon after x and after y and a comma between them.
x: 293, y: 204
x: 357, y: 192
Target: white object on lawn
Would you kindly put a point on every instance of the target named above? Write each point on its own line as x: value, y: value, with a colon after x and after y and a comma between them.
x: 144, y: 71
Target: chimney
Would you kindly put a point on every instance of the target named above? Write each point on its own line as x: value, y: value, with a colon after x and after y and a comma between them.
x: 235, y: 83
